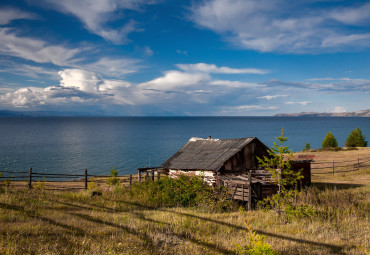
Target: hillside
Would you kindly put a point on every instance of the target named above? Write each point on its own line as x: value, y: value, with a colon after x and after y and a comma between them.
x: 363, y: 113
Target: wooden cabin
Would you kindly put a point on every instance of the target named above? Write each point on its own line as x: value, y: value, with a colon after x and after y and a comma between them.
x: 211, y: 158
x: 232, y: 163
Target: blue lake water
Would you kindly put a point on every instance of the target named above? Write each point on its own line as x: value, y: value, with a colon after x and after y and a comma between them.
x: 72, y: 144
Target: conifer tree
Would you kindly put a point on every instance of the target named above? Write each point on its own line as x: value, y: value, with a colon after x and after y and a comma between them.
x: 329, y: 141
x: 356, y: 139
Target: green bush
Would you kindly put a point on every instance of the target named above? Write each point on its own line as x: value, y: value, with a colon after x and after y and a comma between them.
x: 257, y: 244
x: 307, y: 147
x: 356, y: 139
x: 183, y: 191
x: 113, y: 180
x: 329, y: 141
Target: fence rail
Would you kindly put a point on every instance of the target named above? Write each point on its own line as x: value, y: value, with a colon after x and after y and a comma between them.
x: 333, y: 167
x: 81, y: 180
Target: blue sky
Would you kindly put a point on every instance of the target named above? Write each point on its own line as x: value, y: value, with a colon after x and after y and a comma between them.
x: 184, y: 58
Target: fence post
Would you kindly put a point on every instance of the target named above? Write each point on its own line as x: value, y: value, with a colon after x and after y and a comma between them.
x: 130, y: 183
x: 333, y: 167
x: 153, y: 175
x: 146, y: 175
x: 85, y: 178
x: 250, y: 190
x: 30, y: 178
x: 139, y: 175
x: 159, y: 175
x: 243, y: 192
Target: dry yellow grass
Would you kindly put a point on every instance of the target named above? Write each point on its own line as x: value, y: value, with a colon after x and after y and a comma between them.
x: 60, y: 222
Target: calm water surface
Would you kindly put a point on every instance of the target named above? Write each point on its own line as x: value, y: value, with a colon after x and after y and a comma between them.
x: 72, y: 144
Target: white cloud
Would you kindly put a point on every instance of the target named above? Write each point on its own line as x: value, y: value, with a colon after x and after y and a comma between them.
x: 235, y: 84
x: 148, y: 51
x: 8, y: 14
x: 80, y: 79
x: 211, y: 68
x: 34, y: 49
x: 182, y: 52
x: 358, y: 15
x: 76, y: 87
x: 301, y: 103
x: 96, y: 15
x: 176, y: 80
x: 339, y: 109
x: 284, y: 26
x: 268, y: 97
x: 116, y: 67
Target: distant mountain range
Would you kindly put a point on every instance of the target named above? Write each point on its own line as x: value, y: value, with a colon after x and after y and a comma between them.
x: 6, y: 113
x: 363, y: 113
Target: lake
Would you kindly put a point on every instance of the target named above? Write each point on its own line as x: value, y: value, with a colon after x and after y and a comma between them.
x: 72, y: 144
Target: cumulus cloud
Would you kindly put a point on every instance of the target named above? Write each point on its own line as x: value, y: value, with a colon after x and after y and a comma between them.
x: 80, y: 79
x: 76, y: 87
x: 285, y: 26
x: 339, y: 109
x: 33, y: 97
x: 96, y: 15
x: 8, y: 14
x: 79, y: 86
x: 34, y: 49
x: 211, y: 68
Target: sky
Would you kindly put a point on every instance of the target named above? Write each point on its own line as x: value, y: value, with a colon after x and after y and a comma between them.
x: 184, y: 58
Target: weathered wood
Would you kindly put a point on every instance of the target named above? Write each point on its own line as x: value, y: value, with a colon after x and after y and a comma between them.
x: 250, y: 191
x: 158, y: 175
x: 236, y: 187
x: 243, y: 192
x: 139, y: 175
x: 30, y: 178
x: 85, y: 178
x: 153, y: 175
x: 130, y: 181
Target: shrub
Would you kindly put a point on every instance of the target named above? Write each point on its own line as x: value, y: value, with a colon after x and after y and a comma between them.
x: 307, y: 147
x: 356, y: 139
x: 183, y: 191
x: 329, y: 141
x: 113, y: 180
x: 256, y: 244
x: 41, y: 185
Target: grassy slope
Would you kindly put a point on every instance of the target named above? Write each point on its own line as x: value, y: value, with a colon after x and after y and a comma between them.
x: 54, y: 222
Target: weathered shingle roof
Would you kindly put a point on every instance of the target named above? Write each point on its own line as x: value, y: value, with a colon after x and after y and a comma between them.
x: 205, y: 154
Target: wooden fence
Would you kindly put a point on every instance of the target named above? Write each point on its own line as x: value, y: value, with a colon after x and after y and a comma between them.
x: 333, y: 167
x: 69, y: 181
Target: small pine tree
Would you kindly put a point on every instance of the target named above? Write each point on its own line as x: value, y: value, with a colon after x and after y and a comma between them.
x: 356, y: 139
x: 307, y: 147
x: 329, y: 141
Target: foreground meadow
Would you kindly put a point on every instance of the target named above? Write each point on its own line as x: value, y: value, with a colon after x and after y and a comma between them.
x: 41, y: 221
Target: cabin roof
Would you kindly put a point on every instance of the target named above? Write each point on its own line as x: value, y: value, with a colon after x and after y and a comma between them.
x: 205, y: 154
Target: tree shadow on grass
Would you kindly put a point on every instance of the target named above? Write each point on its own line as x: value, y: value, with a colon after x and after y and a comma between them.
x: 334, y: 248
x: 33, y: 214
x: 147, y: 238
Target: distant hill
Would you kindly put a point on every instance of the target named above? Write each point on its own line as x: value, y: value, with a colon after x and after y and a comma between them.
x: 363, y: 113
x: 6, y: 113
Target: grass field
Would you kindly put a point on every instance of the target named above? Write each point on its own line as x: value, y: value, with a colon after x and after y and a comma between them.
x: 40, y: 221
